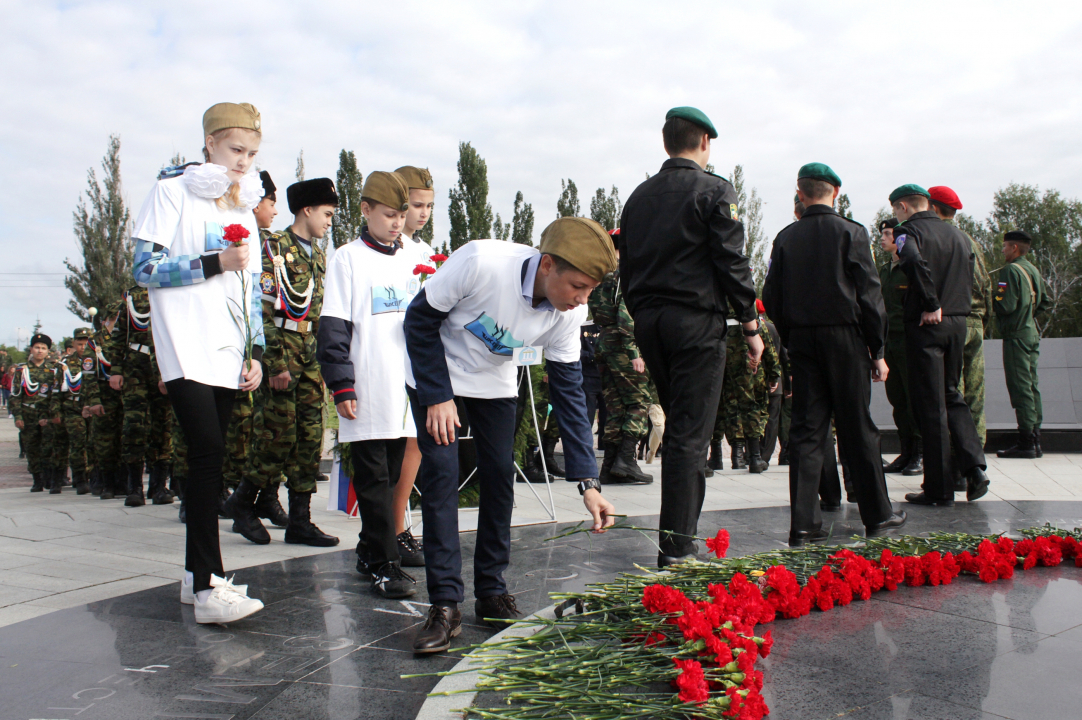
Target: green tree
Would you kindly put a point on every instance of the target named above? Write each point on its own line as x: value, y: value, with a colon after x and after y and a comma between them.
x: 347, y: 221
x: 750, y: 212
x: 843, y: 206
x: 300, y: 166
x: 568, y: 204
x: 605, y: 209
x: 522, y: 222
x: 709, y: 168
x: 470, y: 212
x: 500, y: 229
x: 102, y: 226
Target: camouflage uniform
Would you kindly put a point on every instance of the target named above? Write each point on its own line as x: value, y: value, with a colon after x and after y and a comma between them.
x: 746, y: 397
x: 626, y: 392
x: 238, y: 441
x: 287, y: 425
x: 971, y: 384
x: 105, y: 430
x: 30, y: 403
x: 75, y: 387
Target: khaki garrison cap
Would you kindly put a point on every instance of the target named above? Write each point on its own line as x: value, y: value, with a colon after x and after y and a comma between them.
x: 231, y: 115
x: 387, y: 188
x: 581, y: 242
x: 83, y: 333
x: 416, y: 178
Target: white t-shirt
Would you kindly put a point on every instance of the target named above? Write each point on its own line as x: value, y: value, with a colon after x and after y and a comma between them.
x: 419, y: 249
x: 372, y: 290
x: 195, y: 327
x: 480, y: 285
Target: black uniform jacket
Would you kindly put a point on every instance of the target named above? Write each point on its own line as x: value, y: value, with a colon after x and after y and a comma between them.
x: 938, y: 259
x: 680, y: 243
x: 821, y: 273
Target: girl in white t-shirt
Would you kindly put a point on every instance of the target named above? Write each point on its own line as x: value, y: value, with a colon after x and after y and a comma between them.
x: 192, y: 243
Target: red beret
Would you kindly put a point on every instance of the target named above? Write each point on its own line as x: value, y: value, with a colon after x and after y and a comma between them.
x: 615, y: 231
x: 759, y: 307
x: 943, y: 194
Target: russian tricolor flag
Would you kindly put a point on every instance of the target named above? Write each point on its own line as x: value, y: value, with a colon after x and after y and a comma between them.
x: 342, y: 498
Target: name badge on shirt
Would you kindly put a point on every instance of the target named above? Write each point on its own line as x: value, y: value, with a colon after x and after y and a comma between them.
x: 527, y: 355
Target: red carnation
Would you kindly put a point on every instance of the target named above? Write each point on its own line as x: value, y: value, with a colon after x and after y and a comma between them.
x: 438, y: 258
x: 719, y: 544
x: 424, y: 270
x: 235, y: 233
x: 691, y: 682
x: 664, y: 599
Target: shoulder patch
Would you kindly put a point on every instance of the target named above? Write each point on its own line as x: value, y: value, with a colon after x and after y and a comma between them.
x: 88, y: 364
x: 899, y: 242
x: 266, y: 283
x: 733, y: 211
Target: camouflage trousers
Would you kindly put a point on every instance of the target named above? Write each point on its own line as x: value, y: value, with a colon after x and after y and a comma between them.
x: 37, y: 440
x: 179, y: 452
x: 148, y: 416
x: 59, y: 446
x: 971, y: 384
x: 626, y: 393
x: 744, y: 411
x: 105, y: 430
x: 238, y: 440
x: 74, y: 428
x: 287, y: 430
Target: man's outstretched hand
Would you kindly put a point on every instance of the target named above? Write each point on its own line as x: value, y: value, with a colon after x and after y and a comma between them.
x: 602, y: 510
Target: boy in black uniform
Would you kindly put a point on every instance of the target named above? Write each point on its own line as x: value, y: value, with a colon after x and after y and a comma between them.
x: 823, y: 292
x: 938, y: 259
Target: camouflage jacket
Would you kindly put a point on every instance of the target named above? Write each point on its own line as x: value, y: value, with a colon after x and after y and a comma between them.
x: 130, y: 329
x: 75, y: 384
x: 736, y: 360
x: 33, y: 392
x: 617, y: 329
x: 284, y: 346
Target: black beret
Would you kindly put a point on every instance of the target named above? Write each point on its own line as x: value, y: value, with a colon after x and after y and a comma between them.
x: 41, y: 338
x: 268, y: 185
x: 888, y: 223
x: 309, y: 193
x: 1018, y: 236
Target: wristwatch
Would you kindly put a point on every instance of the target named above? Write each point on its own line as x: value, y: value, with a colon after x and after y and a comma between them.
x: 749, y: 333
x: 589, y: 483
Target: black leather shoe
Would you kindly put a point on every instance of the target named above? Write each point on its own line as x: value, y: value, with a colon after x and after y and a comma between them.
x: 410, y: 551
x: 922, y: 499
x: 435, y: 635
x: 798, y: 539
x: 976, y: 484
x: 497, y: 611
x: 896, y: 520
x: 391, y: 582
x: 664, y: 561
x: 829, y: 507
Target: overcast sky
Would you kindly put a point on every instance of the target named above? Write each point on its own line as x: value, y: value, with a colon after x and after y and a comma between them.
x: 972, y: 95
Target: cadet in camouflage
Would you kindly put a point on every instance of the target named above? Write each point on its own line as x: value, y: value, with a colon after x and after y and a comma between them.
x: 746, y: 395
x: 106, y: 427
x: 73, y: 400
x: 30, y: 394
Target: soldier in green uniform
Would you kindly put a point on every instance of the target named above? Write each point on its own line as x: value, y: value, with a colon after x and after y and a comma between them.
x: 746, y: 395
x: 1019, y: 295
x: 73, y: 400
x: 946, y: 204
x: 895, y: 283
x: 288, y: 419
x: 148, y: 419
x: 30, y: 391
x: 106, y: 427
x: 625, y: 386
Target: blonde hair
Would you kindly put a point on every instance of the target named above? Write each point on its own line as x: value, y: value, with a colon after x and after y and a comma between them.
x: 231, y: 198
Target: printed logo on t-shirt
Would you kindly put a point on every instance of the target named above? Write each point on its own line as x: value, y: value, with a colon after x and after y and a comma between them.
x: 414, y: 286
x: 214, y: 233
x: 499, y: 341
x: 388, y: 299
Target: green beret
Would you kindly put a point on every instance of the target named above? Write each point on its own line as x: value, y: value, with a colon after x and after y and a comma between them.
x: 906, y: 191
x: 416, y: 178
x: 694, y: 115
x: 83, y: 333
x: 387, y: 188
x: 819, y: 171
x: 581, y: 242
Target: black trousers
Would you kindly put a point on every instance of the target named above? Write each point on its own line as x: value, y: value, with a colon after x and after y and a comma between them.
x: 492, y: 424
x: 832, y: 374
x: 377, y: 464
x: 684, y: 350
x: 933, y: 356
x: 773, y: 425
x: 591, y: 385
x: 203, y: 412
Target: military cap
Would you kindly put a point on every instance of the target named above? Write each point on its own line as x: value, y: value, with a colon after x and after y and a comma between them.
x: 41, y: 338
x: 1018, y: 236
x: 945, y: 196
x: 309, y: 193
x: 230, y: 115
x: 888, y: 223
x: 83, y: 333
x: 906, y: 191
x: 416, y: 178
x: 387, y: 188
x: 819, y: 171
x: 694, y: 115
x: 581, y: 242
x: 268, y: 185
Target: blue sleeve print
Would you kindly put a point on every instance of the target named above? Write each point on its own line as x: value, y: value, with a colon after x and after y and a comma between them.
x: 153, y: 267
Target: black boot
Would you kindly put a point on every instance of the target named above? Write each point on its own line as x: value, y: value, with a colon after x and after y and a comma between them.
x: 176, y: 483
x: 39, y: 482
x: 268, y: 507
x: 135, y: 485
x: 159, y: 494
x: 55, y: 480
x: 916, y: 460
x: 902, y: 461
x: 605, y: 477
x: 1037, y: 442
x: 626, y: 467
x: 110, y: 483
x: 1024, y: 449
x: 756, y: 464
x: 94, y: 478
x: 533, y: 471
x: 223, y: 498
x: 79, y: 480
x: 241, y: 507
x: 737, y: 455
x: 714, y: 463
x: 555, y: 467
x: 783, y: 453
x: 847, y: 483
x: 301, y: 530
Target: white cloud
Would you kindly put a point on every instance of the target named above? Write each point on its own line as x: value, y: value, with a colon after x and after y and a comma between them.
x: 972, y: 95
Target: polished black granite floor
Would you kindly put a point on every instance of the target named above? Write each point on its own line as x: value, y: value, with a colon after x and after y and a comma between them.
x: 326, y: 648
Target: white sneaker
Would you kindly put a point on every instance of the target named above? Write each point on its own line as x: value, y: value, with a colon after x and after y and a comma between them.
x: 226, y: 603
x: 187, y: 590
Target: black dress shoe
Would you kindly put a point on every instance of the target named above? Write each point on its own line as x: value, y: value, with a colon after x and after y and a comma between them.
x: 390, y: 581
x: 435, y: 635
x: 802, y: 537
x: 664, y: 561
x: 829, y: 507
x: 976, y: 484
x: 497, y: 611
x: 896, y: 520
x: 922, y: 499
